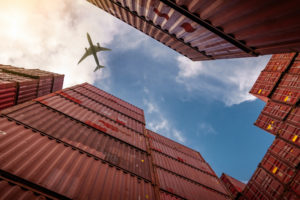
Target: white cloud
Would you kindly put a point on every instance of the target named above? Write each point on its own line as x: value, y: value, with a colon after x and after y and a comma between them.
x: 205, y: 128
x: 226, y: 80
x: 51, y: 35
x: 157, y: 122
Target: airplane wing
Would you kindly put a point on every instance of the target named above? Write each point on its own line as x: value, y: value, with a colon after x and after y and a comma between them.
x: 101, y: 49
x: 87, y: 53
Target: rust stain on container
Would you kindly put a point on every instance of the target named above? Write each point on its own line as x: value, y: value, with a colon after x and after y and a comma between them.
x: 204, y: 30
x: 66, y: 171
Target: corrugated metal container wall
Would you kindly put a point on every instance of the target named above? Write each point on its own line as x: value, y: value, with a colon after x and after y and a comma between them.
x: 290, y: 133
x: 294, y: 116
x: 276, y: 110
x: 26, y: 87
x: 186, y: 189
x: 167, y: 196
x: 83, y: 137
x: 295, y: 184
x: 93, y: 119
x: 283, y: 172
x: 254, y: 191
x: 103, y: 110
x: 234, y: 186
x: 112, y: 104
x: 204, y: 30
x: 8, y: 92
x: 11, y: 190
x: 286, y: 152
x: 115, y: 99
x: 288, y: 94
x: 269, y: 78
x: 175, y: 154
x: 172, y: 144
x: 61, y: 169
x: 269, y: 124
x: 186, y: 171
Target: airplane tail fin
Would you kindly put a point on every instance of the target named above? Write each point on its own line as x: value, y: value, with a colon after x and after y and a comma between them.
x: 98, y: 67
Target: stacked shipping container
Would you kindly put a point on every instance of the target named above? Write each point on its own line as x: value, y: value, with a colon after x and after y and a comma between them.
x: 83, y: 143
x: 80, y: 143
x: 28, y: 84
x: 182, y: 172
x: 206, y: 30
x: 234, y: 186
x: 277, y: 176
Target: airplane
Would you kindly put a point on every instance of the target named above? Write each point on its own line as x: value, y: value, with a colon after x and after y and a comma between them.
x: 93, y: 51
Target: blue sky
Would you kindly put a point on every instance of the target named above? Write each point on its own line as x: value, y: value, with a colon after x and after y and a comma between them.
x: 204, y: 105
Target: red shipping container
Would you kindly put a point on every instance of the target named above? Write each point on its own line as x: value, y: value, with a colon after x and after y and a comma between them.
x: 283, y: 56
x: 295, y: 68
x: 290, y: 133
x: 168, y: 196
x: 233, y: 185
x: 290, y: 195
x: 286, y: 152
x: 295, y: 184
x: 112, y: 104
x: 276, y: 110
x: 262, y: 186
x: 265, y: 84
x: 93, y: 119
x: 12, y: 190
x: 294, y: 116
x: 115, y: 99
x: 103, y: 110
x: 267, y: 123
x: 286, y: 95
x: 187, y: 171
x: 290, y: 81
x: 278, y: 65
x: 56, y: 166
x: 186, y: 189
x: 172, y: 144
x: 176, y: 154
x: 85, y: 139
x: 283, y: 172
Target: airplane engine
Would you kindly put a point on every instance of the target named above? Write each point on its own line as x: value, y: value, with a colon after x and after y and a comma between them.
x: 98, y: 44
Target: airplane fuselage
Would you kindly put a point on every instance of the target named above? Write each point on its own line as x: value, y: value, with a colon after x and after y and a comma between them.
x: 93, y: 49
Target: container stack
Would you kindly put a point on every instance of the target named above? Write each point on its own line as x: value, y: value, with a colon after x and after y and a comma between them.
x: 234, y: 186
x: 83, y: 143
x: 77, y: 143
x: 182, y: 173
x: 277, y: 175
x: 8, y: 91
x: 29, y: 84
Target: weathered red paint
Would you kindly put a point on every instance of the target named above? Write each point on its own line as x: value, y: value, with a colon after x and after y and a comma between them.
x: 267, y: 123
x: 63, y: 169
x: 234, y: 186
